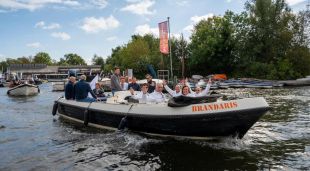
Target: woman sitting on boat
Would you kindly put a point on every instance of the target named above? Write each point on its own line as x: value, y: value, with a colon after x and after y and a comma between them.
x: 99, y: 92
x: 186, y: 91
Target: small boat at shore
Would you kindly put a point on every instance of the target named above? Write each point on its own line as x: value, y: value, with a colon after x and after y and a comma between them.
x: 58, y: 86
x: 298, y: 82
x: 24, y: 90
x: 206, y: 117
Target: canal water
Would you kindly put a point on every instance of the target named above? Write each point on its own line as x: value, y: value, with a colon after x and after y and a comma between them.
x: 32, y: 139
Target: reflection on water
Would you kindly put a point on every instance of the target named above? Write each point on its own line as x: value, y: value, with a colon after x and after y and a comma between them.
x: 32, y: 139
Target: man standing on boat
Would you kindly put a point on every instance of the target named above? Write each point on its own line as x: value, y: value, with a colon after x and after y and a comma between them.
x: 82, y: 89
x: 69, y: 89
x: 151, y: 83
x: 115, y: 85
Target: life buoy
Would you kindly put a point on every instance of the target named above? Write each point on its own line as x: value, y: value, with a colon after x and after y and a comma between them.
x: 86, y: 117
x: 55, y: 107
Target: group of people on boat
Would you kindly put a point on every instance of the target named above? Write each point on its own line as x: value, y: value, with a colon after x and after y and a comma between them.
x: 147, y: 92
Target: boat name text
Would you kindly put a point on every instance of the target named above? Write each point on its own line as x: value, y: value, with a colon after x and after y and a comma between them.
x: 212, y: 107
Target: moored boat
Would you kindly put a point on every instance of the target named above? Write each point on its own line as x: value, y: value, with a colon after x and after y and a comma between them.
x: 58, y: 86
x: 183, y: 117
x: 24, y: 90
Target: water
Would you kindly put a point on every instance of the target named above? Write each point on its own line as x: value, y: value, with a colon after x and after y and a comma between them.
x: 32, y: 139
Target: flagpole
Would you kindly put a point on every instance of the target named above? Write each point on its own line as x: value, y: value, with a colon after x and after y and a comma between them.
x: 169, y: 42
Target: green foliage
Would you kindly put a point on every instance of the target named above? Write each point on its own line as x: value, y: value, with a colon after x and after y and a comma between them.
x: 136, y: 54
x: 97, y: 60
x: 212, y: 44
x: 42, y: 58
x: 265, y: 41
x: 72, y: 59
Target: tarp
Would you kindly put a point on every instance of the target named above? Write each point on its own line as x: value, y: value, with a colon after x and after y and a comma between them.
x: 93, y: 84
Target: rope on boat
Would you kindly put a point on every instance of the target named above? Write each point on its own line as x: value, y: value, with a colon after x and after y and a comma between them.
x: 124, y: 122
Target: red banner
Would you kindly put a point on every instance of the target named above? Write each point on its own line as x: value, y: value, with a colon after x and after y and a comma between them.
x: 163, y: 36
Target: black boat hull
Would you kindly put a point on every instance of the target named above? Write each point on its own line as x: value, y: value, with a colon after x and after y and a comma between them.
x: 222, y: 124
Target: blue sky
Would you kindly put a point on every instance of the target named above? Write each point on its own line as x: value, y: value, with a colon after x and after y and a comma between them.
x: 89, y: 27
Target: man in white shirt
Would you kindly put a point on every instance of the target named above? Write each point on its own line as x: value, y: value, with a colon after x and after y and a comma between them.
x: 174, y: 93
x: 157, y: 96
x: 143, y: 95
x: 124, y: 84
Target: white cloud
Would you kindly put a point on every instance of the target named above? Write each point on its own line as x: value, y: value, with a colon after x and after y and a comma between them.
x: 140, y: 7
x: 228, y: 1
x: 62, y: 35
x: 182, y: 3
x: 94, y: 25
x: 100, y: 3
x: 112, y: 38
x: 32, y: 5
x: 34, y: 45
x: 146, y: 29
x: 294, y: 2
x: 196, y: 19
x: 51, y: 26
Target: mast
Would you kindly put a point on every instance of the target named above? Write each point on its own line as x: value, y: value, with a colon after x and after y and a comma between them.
x: 169, y: 42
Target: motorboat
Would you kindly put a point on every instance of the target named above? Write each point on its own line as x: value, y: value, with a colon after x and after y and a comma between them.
x: 58, y: 86
x: 298, y: 82
x: 24, y: 90
x: 205, y: 117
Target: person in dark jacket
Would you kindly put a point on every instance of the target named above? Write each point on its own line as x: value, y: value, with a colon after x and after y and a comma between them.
x: 69, y: 89
x: 82, y: 89
x: 134, y: 85
x: 115, y: 84
x: 151, y: 83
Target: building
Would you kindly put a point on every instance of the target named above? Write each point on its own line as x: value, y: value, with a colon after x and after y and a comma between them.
x: 43, y: 71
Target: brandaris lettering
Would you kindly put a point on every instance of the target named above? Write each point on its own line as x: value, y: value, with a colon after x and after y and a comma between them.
x: 214, y: 107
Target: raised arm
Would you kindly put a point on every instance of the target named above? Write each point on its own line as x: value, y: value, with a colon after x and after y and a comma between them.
x: 171, y: 92
x: 206, y: 90
x: 190, y: 90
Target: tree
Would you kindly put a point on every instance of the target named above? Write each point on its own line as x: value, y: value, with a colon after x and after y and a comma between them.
x: 3, y: 66
x: 273, y: 31
x: 181, y: 51
x: 136, y: 54
x: 42, y: 58
x: 212, y: 44
x: 97, y: 60
x: 25, y: 60
x: 74, y: 59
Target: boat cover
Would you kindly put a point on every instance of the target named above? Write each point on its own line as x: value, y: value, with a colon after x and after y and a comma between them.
x: 181, y: 101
